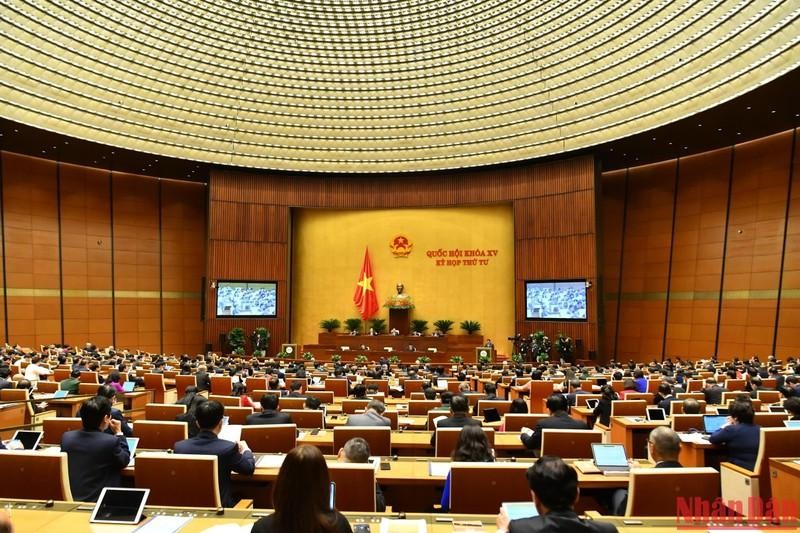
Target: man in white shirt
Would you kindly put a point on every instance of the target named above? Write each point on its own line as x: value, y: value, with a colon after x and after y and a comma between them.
x: 34, y: 372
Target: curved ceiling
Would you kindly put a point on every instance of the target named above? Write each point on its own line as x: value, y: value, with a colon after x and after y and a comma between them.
x: 380, y: 85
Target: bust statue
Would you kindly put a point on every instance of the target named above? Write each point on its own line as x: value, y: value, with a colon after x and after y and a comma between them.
x: 401, y: 300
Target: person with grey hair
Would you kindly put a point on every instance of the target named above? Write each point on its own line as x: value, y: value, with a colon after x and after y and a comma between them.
x: 373, y: 416
x: 691, y: 406
x: 356, y: 450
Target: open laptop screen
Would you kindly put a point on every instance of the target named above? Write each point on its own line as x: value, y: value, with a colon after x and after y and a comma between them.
x: 656, y: 413
x: 128, y: 386
x: 711, y: 423
x: 29, y: 439
x: 609, y: 455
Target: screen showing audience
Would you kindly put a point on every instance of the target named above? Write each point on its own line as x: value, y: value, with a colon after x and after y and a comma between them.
x: 247, y: 298
x: 555, y: 300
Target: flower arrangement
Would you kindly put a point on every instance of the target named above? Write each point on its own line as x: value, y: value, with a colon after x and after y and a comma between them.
x: 361, y: 359
x: 540, y: 346
x: 423, y: 360
x: 484, y: 359
x: 336, y: 358
x: 353, y: 324
x: 308, y: 356
x: 394, y: 360
x: 516, y: 358
x: 564, y: 346
x: 281, y: 355
x: 457, y: 359
x: 330, y: 324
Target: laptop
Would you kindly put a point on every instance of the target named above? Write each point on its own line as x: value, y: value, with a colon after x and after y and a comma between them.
x: 791, y: 423
x: 724, y: 411
x: 601, y: 381
x: 592, y: 404
x: 610, y: 457
x: 711, y: 423
x: 120, y: 506
x: 128, y: 386
x: 777, y: 409
x: 655, y: 413
x: 29, y: 439
x: 60, y: 394
x: 441, y: 383
x: 490, y: 414
x: 133, y: 443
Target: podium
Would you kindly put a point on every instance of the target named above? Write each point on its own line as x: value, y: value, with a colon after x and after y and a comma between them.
x: 400, y: 319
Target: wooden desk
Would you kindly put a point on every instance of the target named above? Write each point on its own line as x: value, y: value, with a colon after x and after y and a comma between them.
x: 11, y: 415
x: 632, y: 433
x: 584, y: 414
x: 136, y: 400
x: 785, y: 478
x: 695, y: 454
x: 69, y: 406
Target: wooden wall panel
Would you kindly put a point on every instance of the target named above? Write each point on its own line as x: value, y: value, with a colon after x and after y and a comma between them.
x: 788, y: 334
x: 250, y: 226
x: 612, y: 220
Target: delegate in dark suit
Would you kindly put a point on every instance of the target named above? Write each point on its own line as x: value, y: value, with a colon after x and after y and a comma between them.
x: 559, y: 419
x: 741, y: 443
x: 459, y: 416
x: 559, y: 522
x: 268, y: 417
x: 95, y: 460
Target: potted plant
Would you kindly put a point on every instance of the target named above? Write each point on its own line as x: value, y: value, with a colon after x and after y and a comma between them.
x: 336, y: 358
x: 540, y: 346
x: 236, y: 340
x: 516, y: 358
x: 443, y: 326
x: 353, y: 325
x: 281, y: 355
x: 394, y: 360
x: 419, y: 326
x: 259, y: 340
x: 457, y: 359
x: 423, y: 360
x: 470, y: 326
x: 484, y: 359
x: 361, y: 359
x: 564, y: 346
x: 308, y: 356
x: 330, y: 324
x: 378, y: 325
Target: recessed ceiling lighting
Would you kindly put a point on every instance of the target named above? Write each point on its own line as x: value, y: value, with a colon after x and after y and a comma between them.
x: 749, y: 108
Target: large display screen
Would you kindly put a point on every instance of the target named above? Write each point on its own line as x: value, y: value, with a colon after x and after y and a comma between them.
x: 555, y: 300
x: 247, y: 299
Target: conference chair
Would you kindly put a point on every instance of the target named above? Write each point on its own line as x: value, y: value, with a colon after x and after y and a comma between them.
x: 587, y: 385
x: 417, y: 396
x: 324, y: 396
x: 412, y: 385
x: 306, y: 418
x: 47, y: 387
x: 695, y: 385
x: 182, y: 383
x: 336, y: 385
x: 159, y: 435
x: 155, y: 382
x: 628, y: 408
x: 677, y: 407
x: 653, y: 384
x: 573, y: 443
x: 254, y: 383
x: 740, y: 484
x: 729, y: 396
x: 163, y: 411
x: 481, y: 488
x: 54, y: 428
x: 237, y: 415
x: 382, y: 384
x: 539, y: 391
x: 60, y: 374
x: 221, y: 385
x: 88, y: 377
x: 378, y: 438
x: 226, y: 401
x: 355, y: 484
x: 433, y: 414
x: 647, y: 484
x: 766, y: 396
x: 772, y: 420
x: 502, y: 406
x: 581, y: 399
x: 350, y: 407
x: 303, y: 381
x: 32, y: 475
x: 696, y: 395
x: 446, y: 439
x: 285, y: 402
x: 735, y: 384
x: 270, y: 438
x: 88, y: 388
x: 179, y: 480
x: 684, y: 423
x: 648, y: 397
x: 421, y: 407
x: 516, y: 421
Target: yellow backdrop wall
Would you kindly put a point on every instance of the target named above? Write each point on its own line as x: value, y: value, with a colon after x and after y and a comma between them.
x: 328, y: 249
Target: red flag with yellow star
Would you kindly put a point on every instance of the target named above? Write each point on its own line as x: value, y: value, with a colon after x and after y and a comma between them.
x: 365, y: 297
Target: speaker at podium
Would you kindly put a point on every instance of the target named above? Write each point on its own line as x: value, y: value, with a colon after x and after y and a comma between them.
x: 290, y: 350
x: 483, y: 351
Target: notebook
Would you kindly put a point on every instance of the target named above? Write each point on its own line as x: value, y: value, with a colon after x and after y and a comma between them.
x: 128, y: 386
x: 60, y: 394
x: 656, y: 413
x: 610, y: 457
x: 29, y: 439
x: 711, y: 423
x: 120, y: 506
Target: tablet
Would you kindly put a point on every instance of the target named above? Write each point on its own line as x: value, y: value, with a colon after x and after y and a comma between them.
x: 656, y: 413
x: 711, y: 423
x: 332, y: 501
x: 490, y: 414
x: 791, y: 423
x: 777, y: 409
x: 28, y: 439
x: 592, y: 404
x: 610, y: 456
x: 60, y: 394
x: 120, y: 506
x: 128, y: 386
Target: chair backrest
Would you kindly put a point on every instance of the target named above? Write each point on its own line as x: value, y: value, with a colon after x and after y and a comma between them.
x: 573, y: 443
x: 270, y: 438
x: 285, y: 402
x: 696, y: 395
x: 729, y: 396
x: 53, y: 428
x: 539, y: 391
x: 382, y: 384
x: 378, y: 438
x: 229, y: 401
x: 735, y: 384
x: 684, y: 483
x: 324, y: 396
x: 355, y: 486
x: 351, y: 406
x: 179, y: 480
x: 653, y: 384
x: 628, y: 408
x: 432, y: 415
x: 681, y: 422
x: 482, y: 487
x: 159, y: 435
x: 303, y: 382
x: 182, y: 382
x: 394, y: 418
x: 648, y: 397
x: 695, y: 385
x: 88, y: 388
x: 254, y: 383
x: 88, y: 377
x: 47, y: 387
x: 766, y: 396
x: 238, y: 415
x: 412, y: 385
x: 417, y: 396
x: 772, y: 420
x: 677, y: 407
x: 154, y: 382
x: 32, y: 475
x: 163, y: 411
x: 581, y: 399
x: 60, y: 374
x: 446, y: 439
x: 222, y: 385
x: 516, y: 421
x: 306, y: 418
x: 502, y: 406
x: 336, y: 385
x: 775, y: 442
x: 421, y: 407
